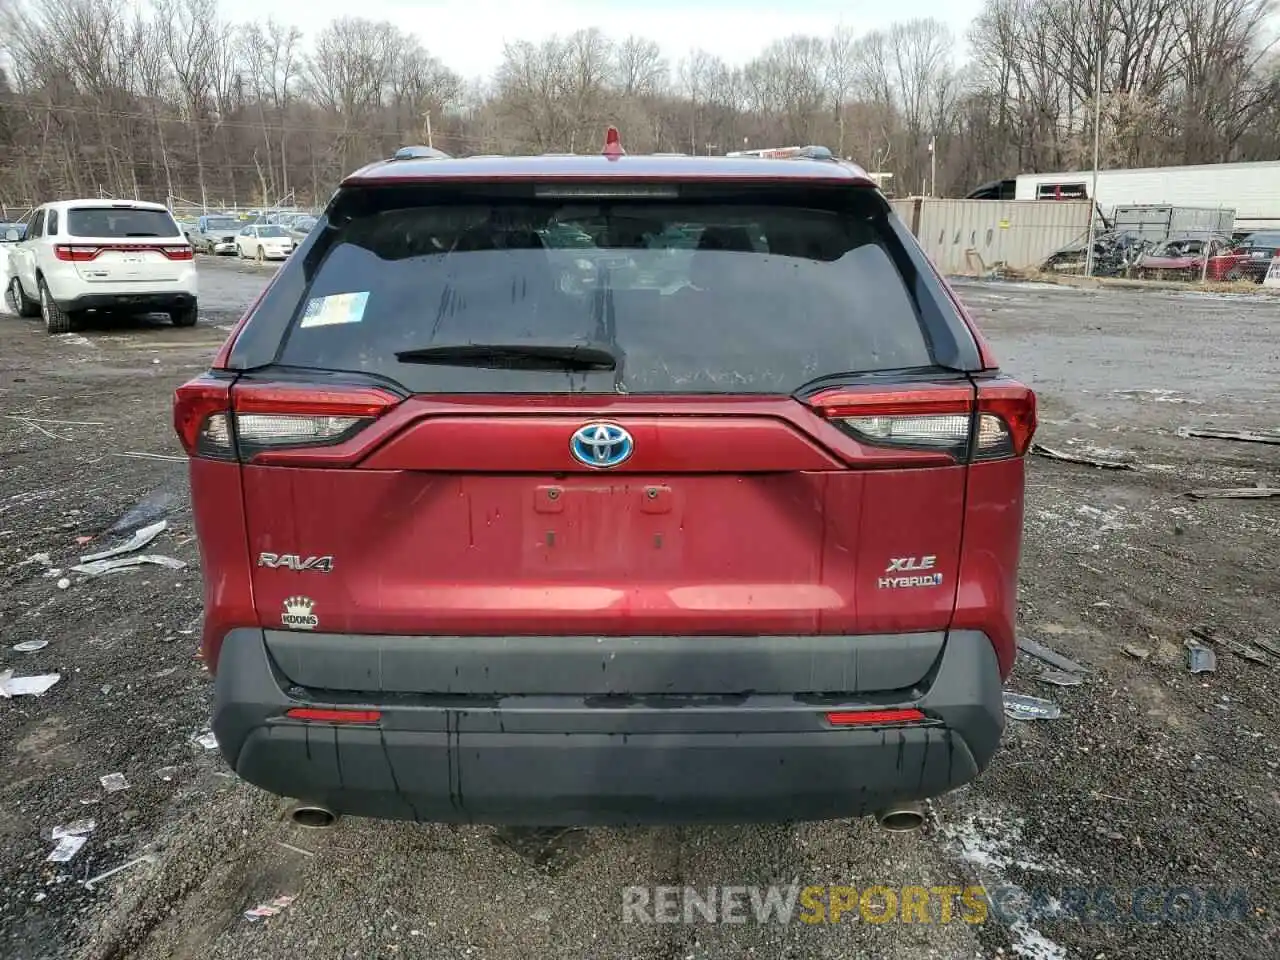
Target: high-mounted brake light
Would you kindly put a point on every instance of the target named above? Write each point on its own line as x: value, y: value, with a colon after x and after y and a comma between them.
x: 937, y: 419
x: 613, y: 144
x: 218, y: 422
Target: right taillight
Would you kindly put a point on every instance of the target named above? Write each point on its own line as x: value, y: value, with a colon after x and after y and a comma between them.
x: 220, y: 422
x: 994, y: 420
x: 1008, y: 410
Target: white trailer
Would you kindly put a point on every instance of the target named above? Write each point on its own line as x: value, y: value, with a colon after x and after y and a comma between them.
x: 1251, y: 189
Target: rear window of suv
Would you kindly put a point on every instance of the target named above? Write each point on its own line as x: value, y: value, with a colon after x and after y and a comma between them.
x: 120, y: 222
x: 692, y: 297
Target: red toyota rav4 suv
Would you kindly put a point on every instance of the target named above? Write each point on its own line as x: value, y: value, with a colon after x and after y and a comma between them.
x: 605, y: 489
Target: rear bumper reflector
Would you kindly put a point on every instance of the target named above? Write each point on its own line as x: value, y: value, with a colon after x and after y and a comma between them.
x: 317, y: 715
x: 869, y: 718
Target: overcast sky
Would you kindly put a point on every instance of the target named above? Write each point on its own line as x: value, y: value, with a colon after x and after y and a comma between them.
x: 468, y: 34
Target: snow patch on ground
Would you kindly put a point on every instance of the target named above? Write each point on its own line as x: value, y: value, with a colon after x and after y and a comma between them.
x: 992, y: 844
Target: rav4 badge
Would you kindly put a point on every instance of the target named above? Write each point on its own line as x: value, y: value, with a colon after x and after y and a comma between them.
x: 292, y: 561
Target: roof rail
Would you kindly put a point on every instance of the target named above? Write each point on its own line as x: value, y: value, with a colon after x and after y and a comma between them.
x: 420, y: 153
x: 811, y: 152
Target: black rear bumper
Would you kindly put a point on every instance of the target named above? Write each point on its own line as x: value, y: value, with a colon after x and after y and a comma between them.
x: 496, y: 729
x: 137, y: 302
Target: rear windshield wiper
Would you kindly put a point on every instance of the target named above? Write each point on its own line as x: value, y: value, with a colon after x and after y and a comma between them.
x: 526, y: 355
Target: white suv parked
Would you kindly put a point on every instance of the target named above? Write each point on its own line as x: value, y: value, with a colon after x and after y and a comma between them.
x: 102, y: 255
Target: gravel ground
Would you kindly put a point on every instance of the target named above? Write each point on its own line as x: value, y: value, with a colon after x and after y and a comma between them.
x: 1152, y: 778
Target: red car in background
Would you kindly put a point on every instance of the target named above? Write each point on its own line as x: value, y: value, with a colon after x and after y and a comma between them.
x: 1184, y: 259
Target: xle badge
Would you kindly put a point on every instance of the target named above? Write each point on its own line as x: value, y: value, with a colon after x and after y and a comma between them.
x: 915, y: 566
x: 297, y: 613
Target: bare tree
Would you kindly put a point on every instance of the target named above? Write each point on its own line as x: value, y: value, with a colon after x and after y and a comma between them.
x: 164, y: 98
x: 639, y: 68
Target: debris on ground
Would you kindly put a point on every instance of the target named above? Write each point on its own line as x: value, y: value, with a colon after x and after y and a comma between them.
x: 11, y: 686
x: 143, y: 455
x: 139, y: 540
x: 76, y: 828
x: 1248, y: 653
x: 67, y: 848
x: 151, y: 508
x: 1061, y: 678
x: 64, y: 583
x: 1246, y: 436
x: 113, y: 782
x: 98, y: 567
x: 1200, y: 659
x: 268, y: 909
x: 1019, y: 706
x: 1253, y: 653
x: 1268, y: 646
x: 167, y: 773
x: 1138, y: 653
x: 30, y: 646
x: 1234, y: 493
x: 207, y: 740
x: 292, y: 848
x: 1041, y: 652
x: 145, y: 858
x: 1049, y: 453
x: 32, y: 424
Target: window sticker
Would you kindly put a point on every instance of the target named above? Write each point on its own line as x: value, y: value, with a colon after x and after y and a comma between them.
x: 338, y: 308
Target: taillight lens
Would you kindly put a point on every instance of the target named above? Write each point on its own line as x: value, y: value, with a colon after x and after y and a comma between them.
x: 75, y: 253
x: 201, y: 417
x: 937, y: 419
x: 83, y: 253
x: 1008, y: 412
x: 218, y: 422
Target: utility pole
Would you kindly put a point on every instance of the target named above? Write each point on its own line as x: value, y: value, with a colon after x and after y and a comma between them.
x: 1097, y: 136
x: 933, y: 166
x: 427, y: 117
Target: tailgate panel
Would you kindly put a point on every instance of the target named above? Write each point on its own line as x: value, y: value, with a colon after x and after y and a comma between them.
x: 128, y: 266
x: 455, y: 554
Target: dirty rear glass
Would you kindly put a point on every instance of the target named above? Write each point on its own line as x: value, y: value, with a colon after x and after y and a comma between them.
x: 120, y: 222
x: 701, y: 298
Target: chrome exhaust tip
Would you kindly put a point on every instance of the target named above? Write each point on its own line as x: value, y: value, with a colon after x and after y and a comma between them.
x: 901, y: 818
x: 313, y: 816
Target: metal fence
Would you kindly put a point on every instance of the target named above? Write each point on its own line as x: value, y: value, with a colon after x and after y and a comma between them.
x: 973, y: 237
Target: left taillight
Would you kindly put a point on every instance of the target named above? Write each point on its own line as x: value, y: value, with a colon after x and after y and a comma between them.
x: 75, y: 253
x: 993, y: 421
x: 218, y: 422
x: 202, y: 418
